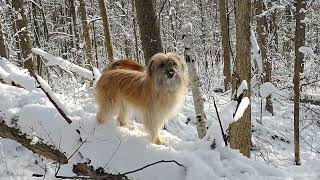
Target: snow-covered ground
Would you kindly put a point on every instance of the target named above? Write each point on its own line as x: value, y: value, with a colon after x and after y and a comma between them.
x: 120, y: 150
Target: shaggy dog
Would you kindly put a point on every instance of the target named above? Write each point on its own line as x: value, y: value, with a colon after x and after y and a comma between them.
x: 156, y: 94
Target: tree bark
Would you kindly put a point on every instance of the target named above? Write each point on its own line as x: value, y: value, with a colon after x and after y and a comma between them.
x: 298, y: 68
x: 87, y: 35
x: 195, y: 83
x: 224, y: 30
x: 3, y: 52
x: 263, y: 43
x: 23, y: 34
x: 135, y: 31
x: 149, y: 28
x: 240, y: 131
x: 106, y: 30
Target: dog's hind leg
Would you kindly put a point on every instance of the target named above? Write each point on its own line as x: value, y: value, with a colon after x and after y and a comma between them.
x: 123, y: 115
x: 105, y: 112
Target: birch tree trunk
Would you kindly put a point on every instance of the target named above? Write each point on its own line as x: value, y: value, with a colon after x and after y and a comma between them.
x: 262, y: 41
x: 23, y: 34
x: 87, y: 35
x: 3, y: 52
x: 195, y: 82
x: 240, y: 131
x: 298, y: 68
x: 149, y: 28
x: 106, y: 30
x: 224, y: 30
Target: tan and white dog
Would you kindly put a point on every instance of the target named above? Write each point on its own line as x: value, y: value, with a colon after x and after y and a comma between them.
x: 156, y: 94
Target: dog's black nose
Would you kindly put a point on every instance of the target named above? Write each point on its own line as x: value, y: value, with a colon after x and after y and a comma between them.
x: 170, y: 74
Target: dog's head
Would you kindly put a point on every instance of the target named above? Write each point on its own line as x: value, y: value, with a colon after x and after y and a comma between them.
x: 168, y: 70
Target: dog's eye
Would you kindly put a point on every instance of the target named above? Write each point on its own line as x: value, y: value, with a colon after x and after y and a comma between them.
x: 173, y: 63
x: 161, y: 65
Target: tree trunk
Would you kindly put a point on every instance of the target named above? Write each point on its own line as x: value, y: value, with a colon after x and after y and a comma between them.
x: 23, y: 34
x: 135, y: 31
x: 195, y: 82
x: 3, y: 52
x: 75, y: 34
x: 87, y: 35
x: 149, y: 28
x: 106, y: 30
x: 224, y: 29
x: 298, y: 68
x: 240, y: 131
x: 262, y: 41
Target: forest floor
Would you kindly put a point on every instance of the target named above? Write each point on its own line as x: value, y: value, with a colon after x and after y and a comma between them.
x: 120, y: 150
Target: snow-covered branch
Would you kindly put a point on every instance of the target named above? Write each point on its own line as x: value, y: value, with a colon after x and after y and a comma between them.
x: 40, y: 148
x: 66, y: 65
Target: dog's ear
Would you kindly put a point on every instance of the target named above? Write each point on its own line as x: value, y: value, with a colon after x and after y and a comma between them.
x: 151, y: 67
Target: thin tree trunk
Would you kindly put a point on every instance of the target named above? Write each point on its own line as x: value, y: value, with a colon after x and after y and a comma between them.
x: 224, y: 25
x: 87, y: 35
x: 3, y: 52
x: 262, y: 41
x: 298, y: 68
x: 36, y: 33
x: 23, y: 34
x: 135, y: 31
x: 75, y: 34
x: 106, y: 30
x: 240, y: 131
x: 195, y: 82
x: 149, y: 28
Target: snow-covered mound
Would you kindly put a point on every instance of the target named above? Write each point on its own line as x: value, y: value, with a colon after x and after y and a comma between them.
x: 118, y: 150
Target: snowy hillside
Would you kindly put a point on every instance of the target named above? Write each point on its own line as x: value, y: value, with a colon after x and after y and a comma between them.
x: 120, y: 150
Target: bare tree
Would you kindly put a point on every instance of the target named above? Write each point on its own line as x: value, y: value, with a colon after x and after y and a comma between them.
x: 224, y: 30
x: 149, y: 28
x: 106, y: 30
x: 195, y: 82
x: 262, y: 41
x: 3, y: 52
x: 23, y: 34
x: 240, y: 131
x: 86, y: 34
x: 298, y: 68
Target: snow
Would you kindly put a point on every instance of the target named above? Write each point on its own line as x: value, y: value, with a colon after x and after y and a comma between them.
x: 256, y: 59
x: 267, y: 89
x: 13, y: 73
x: 243, y: 86
x: 121, y: 150
x: 66, y: 65
x: 242, y: 107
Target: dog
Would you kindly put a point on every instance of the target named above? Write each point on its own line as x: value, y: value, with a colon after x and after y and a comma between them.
x: 156, y: 93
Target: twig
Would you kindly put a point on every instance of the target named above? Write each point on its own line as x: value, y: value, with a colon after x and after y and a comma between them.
x: 164, y: 3
x: 113, y: 153
x: 63, y: 114
x: 77, y: 149
x: 222, y: 131
x: 162, y: 161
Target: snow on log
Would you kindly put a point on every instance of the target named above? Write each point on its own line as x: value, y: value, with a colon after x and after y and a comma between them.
x: 39, y: 147
x: 241, y: 108
x: 14, y: 75
x: 64, y: 64
x: 243, y: 86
